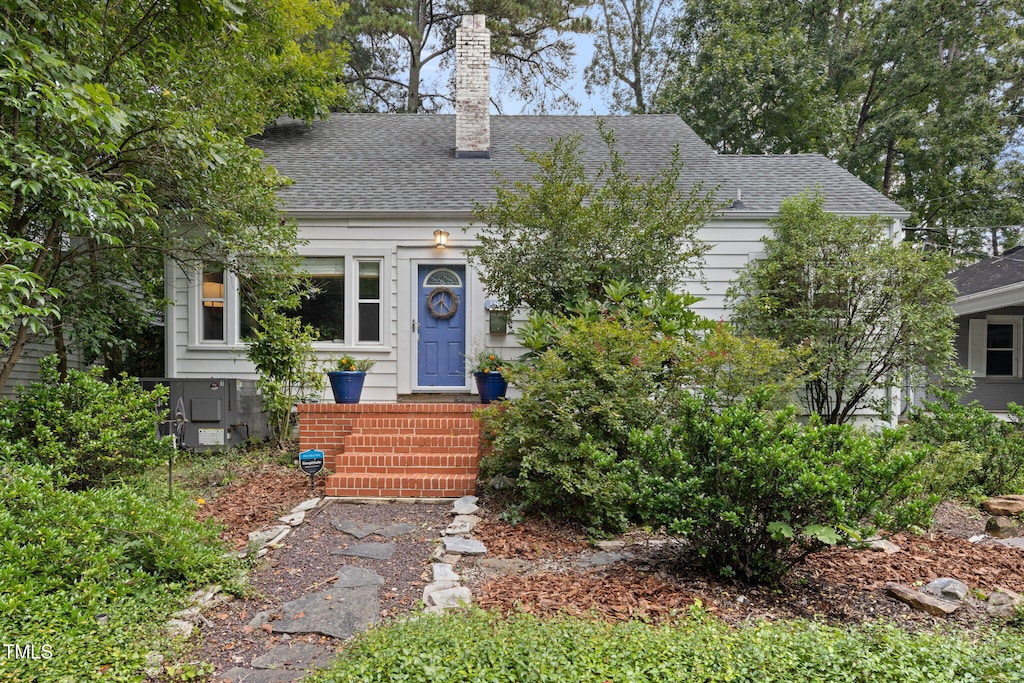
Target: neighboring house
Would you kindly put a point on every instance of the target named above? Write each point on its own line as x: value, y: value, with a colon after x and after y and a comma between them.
x: 373, y: 194
x: 990, y: 338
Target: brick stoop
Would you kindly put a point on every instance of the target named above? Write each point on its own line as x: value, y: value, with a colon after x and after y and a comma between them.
x: 394, y: 450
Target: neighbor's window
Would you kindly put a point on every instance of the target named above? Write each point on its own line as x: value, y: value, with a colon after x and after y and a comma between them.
x: 995, y: 346
x: 212, y: 305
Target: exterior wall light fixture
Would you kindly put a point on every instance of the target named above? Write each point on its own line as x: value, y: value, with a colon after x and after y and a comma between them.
x: 440, y: 238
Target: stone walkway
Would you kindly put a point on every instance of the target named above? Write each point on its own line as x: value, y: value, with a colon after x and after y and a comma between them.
x: 352, y: 603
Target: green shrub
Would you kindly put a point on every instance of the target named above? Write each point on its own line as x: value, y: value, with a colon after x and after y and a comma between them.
x: 964, y: 429
x: 754, y: 490
x: 93, y: 574
x: 479, y: 647
x: 81, y: 427
x: 728, y: 367
x: 566, y: 438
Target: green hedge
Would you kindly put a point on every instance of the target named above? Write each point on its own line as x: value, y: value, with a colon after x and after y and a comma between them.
x: 478, y: 647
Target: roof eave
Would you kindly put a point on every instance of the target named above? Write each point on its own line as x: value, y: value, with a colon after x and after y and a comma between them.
x: 990, y: 299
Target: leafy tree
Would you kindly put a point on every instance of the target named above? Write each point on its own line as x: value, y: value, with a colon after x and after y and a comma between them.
x: 562, y: 238
x: 630, y: 59
x: 122, y: 131
x: 397, y: 46
x: 872, y: 312
x: 281, y: 347
x: 919, y: 98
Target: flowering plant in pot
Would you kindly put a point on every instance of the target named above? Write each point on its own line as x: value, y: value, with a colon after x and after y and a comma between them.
x: 347, y: 377
x: 487, y: 369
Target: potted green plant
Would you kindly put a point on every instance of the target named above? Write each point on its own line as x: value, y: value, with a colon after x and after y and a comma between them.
x: 487, y: 371
x: 347, y: 377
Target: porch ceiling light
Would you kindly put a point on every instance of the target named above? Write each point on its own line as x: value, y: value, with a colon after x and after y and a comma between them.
x: 440, y: 238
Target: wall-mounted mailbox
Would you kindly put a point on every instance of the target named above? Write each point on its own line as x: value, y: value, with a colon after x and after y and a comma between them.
x: 498, y: 316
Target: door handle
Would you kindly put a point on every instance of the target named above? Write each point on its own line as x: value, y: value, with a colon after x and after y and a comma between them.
x: 415, y: 326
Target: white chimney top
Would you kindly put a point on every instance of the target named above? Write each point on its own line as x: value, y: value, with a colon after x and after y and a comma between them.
x: 472, y: 88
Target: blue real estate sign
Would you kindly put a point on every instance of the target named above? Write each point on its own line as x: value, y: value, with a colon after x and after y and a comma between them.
x: 311, y: 461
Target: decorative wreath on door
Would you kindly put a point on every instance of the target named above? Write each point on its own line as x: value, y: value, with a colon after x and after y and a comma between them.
x: 442, y: 303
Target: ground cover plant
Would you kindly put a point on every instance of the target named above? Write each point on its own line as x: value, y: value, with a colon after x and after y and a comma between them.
x: 88, y: 577
x: 484, y: 647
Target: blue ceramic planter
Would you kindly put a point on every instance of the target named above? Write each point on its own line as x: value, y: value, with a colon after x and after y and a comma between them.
x: 491, y: 385
x: 346, y: 385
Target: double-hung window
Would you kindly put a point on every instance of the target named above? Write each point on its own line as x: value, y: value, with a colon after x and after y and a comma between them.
x: 994, y: 346
x: 212, y: 300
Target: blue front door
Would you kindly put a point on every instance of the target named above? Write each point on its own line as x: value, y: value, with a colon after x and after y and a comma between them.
x: 441, y: 311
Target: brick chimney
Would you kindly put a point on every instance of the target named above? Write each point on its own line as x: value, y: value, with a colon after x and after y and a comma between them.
x: 472, y: 88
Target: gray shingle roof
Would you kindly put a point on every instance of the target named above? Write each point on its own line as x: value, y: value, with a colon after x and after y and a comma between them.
x: 405, y: 162
x: 992, y: 273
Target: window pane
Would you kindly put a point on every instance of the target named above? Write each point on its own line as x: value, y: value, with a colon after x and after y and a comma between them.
x: 213, y: 322
x: 999, y: 363
x: 369, y: 280
x: 1000, y: 336
x: 212, y: 299
x: 369, y: 322
x: 324, y: 308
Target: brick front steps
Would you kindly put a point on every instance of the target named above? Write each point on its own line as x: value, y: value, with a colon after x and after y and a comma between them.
x: 394, y: 450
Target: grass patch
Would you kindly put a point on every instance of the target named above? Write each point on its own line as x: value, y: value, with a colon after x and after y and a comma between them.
x: 87, y: 578
x: 484, y: 647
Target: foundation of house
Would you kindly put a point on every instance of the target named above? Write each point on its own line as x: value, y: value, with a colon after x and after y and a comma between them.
x: 394, y: 450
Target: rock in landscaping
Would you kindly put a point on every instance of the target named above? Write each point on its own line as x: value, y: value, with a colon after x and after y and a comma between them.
x: 1004, y: 506
x: 601, y: 559
x: 501, y: 482
x: 338, y: 612
x: 498, y: 566
x: 467, y: 505
x: 921, y: 601
x: 949, y: 589
x: 268, y: 536
x: 444, y: 572
x: 178, y: 628
x: 449, y: 598
x: 306, y: 505
x: 357, y: 529
x: 293, y: 519
x: 240, y: 675
x: 373, y: 551
x: 1015, y: 542
x: 395, y: 530
x: 1003, y: 603
x: 356, y: 577
x: 294, y: 657
x: 461, y: 545
x: 1002, y: 527
x: 611, y: 546
x: 462, y: 524
x: 881, y: 545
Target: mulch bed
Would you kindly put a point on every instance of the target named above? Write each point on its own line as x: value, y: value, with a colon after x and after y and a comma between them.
x: 839, y: 586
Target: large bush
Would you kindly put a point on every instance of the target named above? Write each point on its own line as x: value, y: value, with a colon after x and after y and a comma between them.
x: 93, y: 574
x: 83, y: 428
x: 565, y: 439
x: 985, y: 455
x: 754, y: 490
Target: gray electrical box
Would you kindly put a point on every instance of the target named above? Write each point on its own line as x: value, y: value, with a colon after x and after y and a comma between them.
x: 216, y: 413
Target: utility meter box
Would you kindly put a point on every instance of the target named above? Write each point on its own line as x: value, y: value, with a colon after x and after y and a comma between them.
x: 209, y: 413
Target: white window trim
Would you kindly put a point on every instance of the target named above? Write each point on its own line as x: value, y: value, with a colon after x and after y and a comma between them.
x: 380, y: 301
x: 977, y: 344
x: 195, y: 314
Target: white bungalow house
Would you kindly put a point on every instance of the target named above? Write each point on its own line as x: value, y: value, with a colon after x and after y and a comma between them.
x: 383, y: 204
